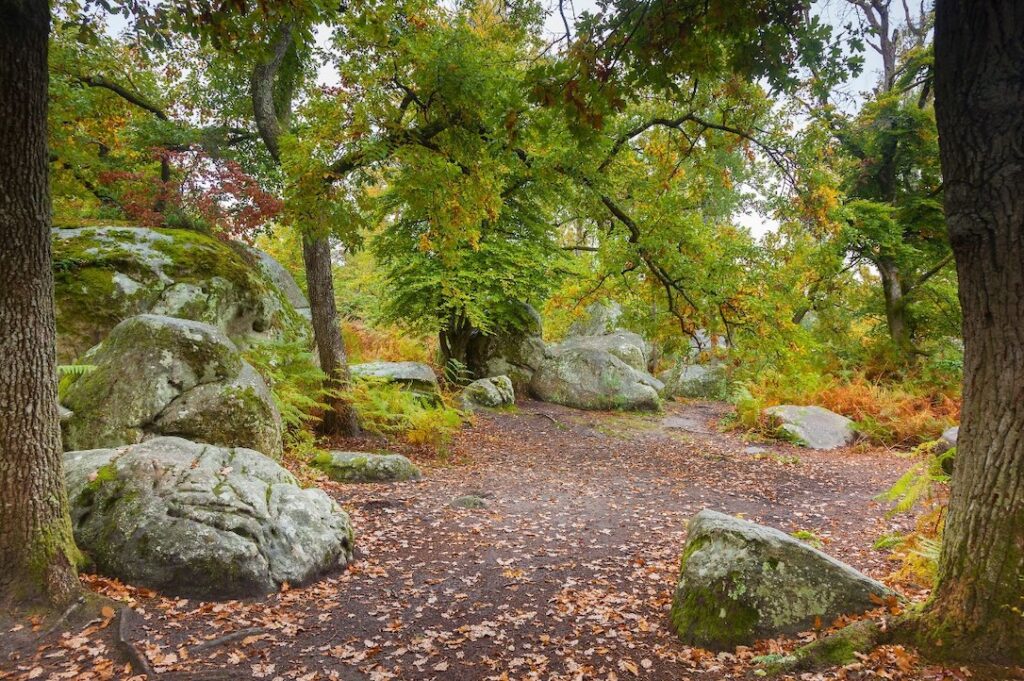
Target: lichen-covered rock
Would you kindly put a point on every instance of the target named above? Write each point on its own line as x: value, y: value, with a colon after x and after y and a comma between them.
x: 488, y: 392
x: 283, y: 280
x: 814, y: 427
x: 948, y: 440
x: 416, y: 376
x: 239, y: 412
x: 106, y: 274
x: 200, y: 521
x: 630, y: 347
x: 365, y: 467
x: 588, y: 378
x: 166, y: 376
x: 740, y: 582
x: 703, y: 381
x: 600, y: 318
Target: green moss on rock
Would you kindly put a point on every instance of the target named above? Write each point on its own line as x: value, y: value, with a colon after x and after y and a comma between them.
x: 365, y: 467
x: 105, y: 274
x: 740, y: 582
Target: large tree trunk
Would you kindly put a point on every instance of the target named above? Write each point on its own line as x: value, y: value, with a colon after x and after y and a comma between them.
x: 316, y: 252
x: 976, y: 611
x: 37, y: 551
x: 455, y: 340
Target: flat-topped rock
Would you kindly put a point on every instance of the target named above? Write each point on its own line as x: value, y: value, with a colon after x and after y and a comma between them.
x: 814, y: 427
x: 366, y: 467
x: 413, y: 375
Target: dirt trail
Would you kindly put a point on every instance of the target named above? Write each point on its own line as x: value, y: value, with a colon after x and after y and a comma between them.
x: 568, y: 573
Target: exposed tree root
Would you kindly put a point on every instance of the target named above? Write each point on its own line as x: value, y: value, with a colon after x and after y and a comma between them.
x: 833, y: 650
x: 137, y: 658
x: 227, y: 638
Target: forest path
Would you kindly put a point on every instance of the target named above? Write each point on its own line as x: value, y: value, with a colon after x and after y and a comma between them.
x: 568, y: 573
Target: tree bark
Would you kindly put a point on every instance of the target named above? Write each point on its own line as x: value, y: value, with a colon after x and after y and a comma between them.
x: 976, y: 610
x: 316, y: 252
x: 37, y: 550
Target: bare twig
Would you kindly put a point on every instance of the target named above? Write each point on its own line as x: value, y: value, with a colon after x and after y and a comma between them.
x: 226, y: 638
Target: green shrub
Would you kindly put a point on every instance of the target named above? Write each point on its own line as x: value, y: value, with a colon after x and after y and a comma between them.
x: 393, y: 411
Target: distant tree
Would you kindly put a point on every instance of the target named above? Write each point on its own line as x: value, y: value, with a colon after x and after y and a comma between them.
x: 892, y: 183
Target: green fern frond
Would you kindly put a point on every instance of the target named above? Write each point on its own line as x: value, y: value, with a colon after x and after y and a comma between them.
x: 75, y: 369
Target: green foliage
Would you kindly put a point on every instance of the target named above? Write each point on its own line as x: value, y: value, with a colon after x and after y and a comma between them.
x: 456, y: 372
x: 918, y: 482
x: 809, y: 537
x: 296, y: 382
x: 393, y: 411
x: 74, y: 369
x: 68, y: 373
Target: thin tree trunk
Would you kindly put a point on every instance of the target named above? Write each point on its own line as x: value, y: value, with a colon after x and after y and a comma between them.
x: 37, y: 550
x: 976, y: 611
x: 895, y: 307
x: 316, y: 252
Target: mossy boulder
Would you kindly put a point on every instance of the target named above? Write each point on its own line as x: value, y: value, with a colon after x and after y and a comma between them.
x: 489, y: 393
x: 200, y: 521
x: 589, y: 378
x: 365, y: 467
x: 740, y: 582
x: 700, y: 381
x: 813, y: 427
x: 167, y: 376
x: 630, y: 347
x: 104, y: 275
x: 415, y: 376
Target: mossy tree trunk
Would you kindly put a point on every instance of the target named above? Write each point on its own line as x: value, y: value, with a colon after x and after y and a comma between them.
x: 37, y: 550
x: 976, y: 610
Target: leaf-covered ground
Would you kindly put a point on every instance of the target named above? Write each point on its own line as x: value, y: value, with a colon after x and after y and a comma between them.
x: 566, y: 574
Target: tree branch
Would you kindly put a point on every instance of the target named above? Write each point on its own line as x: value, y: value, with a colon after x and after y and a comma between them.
x: 125, y: 94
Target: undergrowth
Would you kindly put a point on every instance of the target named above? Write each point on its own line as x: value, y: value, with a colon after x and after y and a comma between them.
x: 887, y: 413
x: 925, y: 486
x: 366, y: 343
x: 393, y: 411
